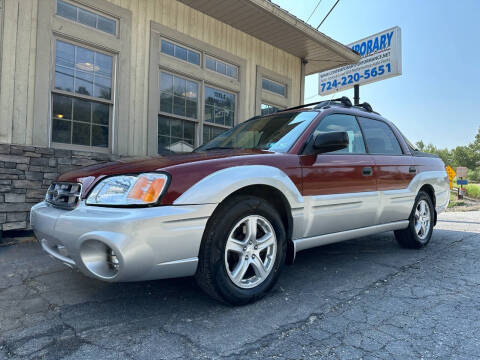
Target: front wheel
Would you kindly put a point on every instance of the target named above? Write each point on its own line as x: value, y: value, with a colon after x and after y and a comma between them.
x: 420, y: 227
x: 243, y: 251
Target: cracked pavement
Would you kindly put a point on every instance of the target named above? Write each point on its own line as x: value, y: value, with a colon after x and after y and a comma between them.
x: 366, y: 298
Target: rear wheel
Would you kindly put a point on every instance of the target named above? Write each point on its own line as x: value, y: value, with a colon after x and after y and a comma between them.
x: 420, y: 228
x: 243, y: 251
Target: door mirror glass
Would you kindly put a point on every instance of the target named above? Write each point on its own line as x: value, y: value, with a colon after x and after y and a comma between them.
x: 331, y: 141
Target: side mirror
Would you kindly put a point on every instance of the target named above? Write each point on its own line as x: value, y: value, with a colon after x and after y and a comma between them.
x: 331, y: 141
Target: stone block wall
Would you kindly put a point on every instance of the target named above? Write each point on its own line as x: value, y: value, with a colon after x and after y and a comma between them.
x: 26, y: 172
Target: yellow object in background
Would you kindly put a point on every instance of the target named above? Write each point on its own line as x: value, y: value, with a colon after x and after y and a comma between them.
x: 451, y: 175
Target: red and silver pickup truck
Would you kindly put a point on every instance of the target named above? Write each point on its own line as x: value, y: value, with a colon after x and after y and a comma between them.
x: 239, y: 208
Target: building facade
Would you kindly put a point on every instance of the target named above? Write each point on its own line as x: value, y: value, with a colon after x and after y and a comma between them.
x: 84, y: 81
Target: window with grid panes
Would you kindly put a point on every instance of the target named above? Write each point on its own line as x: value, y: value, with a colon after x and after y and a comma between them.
x: 219, y: 112
x: 178, y: 113
x: 180, y: 52
x: 86, y: 17
x: 275, y: 87
x: 221, y: 67
x: 82, y: 95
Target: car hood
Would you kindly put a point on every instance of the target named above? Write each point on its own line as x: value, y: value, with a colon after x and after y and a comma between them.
x: 90, y: 175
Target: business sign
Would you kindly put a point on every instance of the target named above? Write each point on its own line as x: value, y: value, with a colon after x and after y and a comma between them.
x: 461, y: 171
x: 381, y: 59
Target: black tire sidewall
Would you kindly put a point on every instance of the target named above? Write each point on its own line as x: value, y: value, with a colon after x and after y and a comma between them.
x: 244, y: 207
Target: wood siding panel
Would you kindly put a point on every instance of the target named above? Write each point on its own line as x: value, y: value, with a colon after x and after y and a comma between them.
x: 31, y: 74
x: 22, y: 72
x: 18, y: 71
x: 198, y: 25
x: 7, y: 85
x: 19, y: 51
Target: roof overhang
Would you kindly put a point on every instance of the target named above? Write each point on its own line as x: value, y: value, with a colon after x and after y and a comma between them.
x: 277, y: 27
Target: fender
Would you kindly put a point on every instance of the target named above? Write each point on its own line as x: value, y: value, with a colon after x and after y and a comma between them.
x: 215, y: 187
x: 437, y: 179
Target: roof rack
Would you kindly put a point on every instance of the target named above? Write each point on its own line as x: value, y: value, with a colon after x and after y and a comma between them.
x: 301, y: 106
x: 343, y: 101
x: 366, y: 106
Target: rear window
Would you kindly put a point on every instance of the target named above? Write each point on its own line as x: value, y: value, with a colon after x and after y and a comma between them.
x: 379, y: 137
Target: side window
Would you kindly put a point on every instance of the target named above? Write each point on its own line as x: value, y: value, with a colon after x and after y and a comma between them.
x: 347, y: 123
x: 379, y: 137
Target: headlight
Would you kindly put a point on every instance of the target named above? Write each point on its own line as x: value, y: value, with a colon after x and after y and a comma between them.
x: 142, y: 189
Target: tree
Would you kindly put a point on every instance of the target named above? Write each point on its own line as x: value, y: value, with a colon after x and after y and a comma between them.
x: 464, y: 156
x: 475, y: 146
x: 420, y: 145
x: 468, y: 156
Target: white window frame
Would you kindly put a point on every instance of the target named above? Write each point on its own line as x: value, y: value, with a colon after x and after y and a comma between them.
x: 160, y: 61
x: 52, y: 27
x: 183, y: 46
x: 224, y: 62
x: 278, y: 83
x: 196, y: 121
x: 92, y: 10
x: 74, y: 95
x: 263, y: 96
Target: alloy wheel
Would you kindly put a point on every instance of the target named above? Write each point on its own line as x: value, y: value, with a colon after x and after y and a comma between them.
x: 422, y: 219
x: 250, y: 251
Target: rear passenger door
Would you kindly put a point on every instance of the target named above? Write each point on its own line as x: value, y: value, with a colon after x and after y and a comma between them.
x: 339, y: 187
x: 394, y: 170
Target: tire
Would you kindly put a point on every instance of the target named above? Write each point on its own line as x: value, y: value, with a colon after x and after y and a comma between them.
x: 417, y: 237
x: 219, y: 271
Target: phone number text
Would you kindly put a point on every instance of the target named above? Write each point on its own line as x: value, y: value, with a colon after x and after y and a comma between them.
x: 356, y: 77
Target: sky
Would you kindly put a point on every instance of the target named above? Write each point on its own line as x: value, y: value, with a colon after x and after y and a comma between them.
x: 437, y: 96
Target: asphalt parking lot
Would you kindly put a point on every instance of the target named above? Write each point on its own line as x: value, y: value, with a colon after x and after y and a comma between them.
x: 366, y: 298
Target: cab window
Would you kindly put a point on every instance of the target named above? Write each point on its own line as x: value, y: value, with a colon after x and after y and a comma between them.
x: 379, y: 137
x: 347, y: 123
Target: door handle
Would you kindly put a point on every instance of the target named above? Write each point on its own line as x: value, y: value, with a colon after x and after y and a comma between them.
x: 412, y: 170
x: 367, y: 171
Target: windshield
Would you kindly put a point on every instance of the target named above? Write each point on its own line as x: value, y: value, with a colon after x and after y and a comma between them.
x: 276, y: 133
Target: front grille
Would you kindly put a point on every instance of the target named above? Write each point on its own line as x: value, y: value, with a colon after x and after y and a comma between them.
x: 64, y: 195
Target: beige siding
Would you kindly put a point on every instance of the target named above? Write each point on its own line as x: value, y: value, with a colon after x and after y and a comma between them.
x: 197, y: 25
x: 18, y: 62
x: 18, y: 71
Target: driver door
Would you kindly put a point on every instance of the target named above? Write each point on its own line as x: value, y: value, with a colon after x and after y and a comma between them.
x: 339, y: 188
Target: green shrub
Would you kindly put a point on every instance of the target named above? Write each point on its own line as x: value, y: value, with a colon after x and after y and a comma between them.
x: 473, y: 190
x: 473, y: 175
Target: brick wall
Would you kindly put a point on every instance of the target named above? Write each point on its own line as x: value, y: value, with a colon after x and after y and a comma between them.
x: 25, y: 174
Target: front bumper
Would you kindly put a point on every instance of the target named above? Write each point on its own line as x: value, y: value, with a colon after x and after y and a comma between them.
x: 148, y: 243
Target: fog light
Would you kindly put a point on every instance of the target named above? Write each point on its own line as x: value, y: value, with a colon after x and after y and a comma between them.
x: 100, y: 259
x: 112, y: 259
